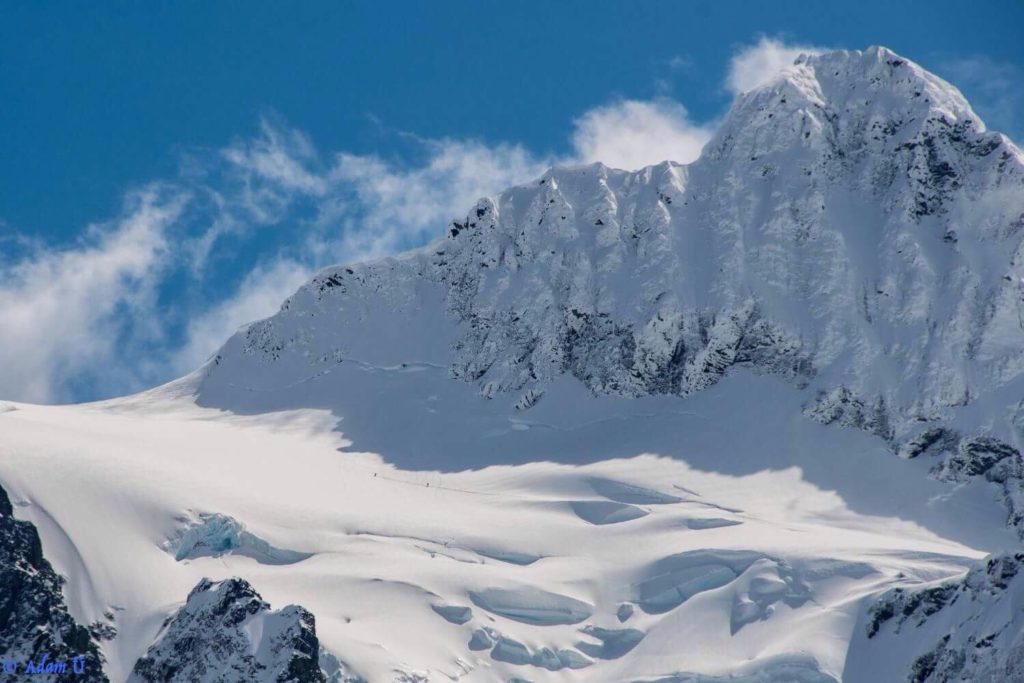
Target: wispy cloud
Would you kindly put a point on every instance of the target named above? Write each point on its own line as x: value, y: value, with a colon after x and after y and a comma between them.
x: 631, y: 134
x: 67, y: 314
x: 259, y: 294
x: 361, y: 207
x: 755, y: 65
x: 995, y: 89
x: 86, y: 320
x: 279, y: 156
x: 384, y: 205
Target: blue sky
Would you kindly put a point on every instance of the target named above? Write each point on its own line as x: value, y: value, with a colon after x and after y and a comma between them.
x: 172, y: 170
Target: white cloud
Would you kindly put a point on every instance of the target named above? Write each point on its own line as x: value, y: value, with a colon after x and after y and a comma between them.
x: 279, y: 155
x: 993, y: 89
x: 66, y: 313
x: 260, y: 294
x: 388, y: 205
x: 759, y: 64
x: 631, y: 134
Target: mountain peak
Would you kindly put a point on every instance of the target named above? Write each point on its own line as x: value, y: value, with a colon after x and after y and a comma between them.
x: 842, y: 209
x: 876, y: 76
x: 842, y: 101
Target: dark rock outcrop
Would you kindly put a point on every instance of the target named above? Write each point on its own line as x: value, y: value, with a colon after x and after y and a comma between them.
x: 211, y: 638
x: 974, y: 624
x: 36, y: 631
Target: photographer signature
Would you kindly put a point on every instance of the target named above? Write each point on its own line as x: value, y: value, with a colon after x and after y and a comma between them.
x: 44, y: 665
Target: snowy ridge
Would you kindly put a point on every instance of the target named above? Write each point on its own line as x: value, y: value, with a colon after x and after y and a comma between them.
x: 851, y: 227
x: 596, y: 432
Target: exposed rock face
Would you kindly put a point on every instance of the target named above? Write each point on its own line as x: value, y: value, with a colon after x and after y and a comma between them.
x: 965, y: 630
x: 841, y: 407
x: 981, y: 456
x: 961, y: 459
x: 226, y: 633
x: 36, y: 631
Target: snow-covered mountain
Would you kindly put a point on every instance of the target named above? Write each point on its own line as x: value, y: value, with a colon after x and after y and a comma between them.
x: 756, y: 418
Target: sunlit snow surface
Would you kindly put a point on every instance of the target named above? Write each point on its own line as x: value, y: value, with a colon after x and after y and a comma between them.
x: 754, y: 552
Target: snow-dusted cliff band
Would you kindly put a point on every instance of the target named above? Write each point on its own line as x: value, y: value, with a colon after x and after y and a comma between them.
x: 756, y: 418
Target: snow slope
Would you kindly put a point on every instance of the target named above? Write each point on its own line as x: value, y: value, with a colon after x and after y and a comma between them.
x: 757, y: 548
x: 967, y: 629
x: 693, y: 423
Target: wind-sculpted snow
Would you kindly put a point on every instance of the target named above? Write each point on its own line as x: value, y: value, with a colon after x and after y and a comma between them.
x: 630, y: 493
x: 454, y: 613
x: 699, y: 523
x: 531, y: 606
x: 513, y: 652
x: 766, y: 583
x: 613, y: 643
x: 675, y: 579
x: 606, y: 512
